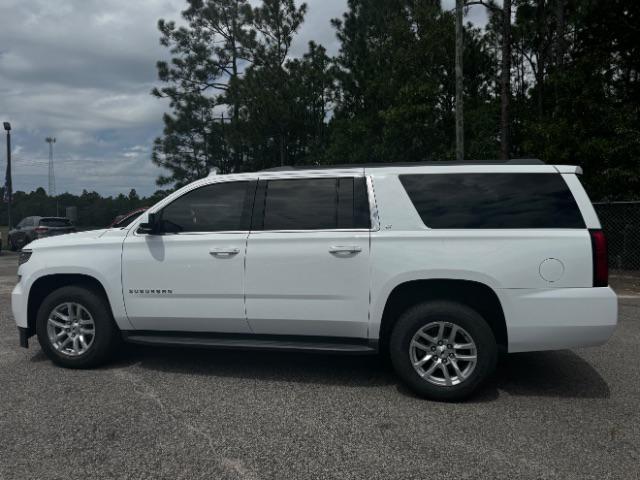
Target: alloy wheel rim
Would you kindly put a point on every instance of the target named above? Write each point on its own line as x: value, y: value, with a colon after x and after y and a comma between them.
x: 71, y: 329
x: 443, y: 353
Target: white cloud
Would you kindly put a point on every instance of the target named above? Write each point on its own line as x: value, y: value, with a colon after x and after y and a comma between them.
x: 82, y: 70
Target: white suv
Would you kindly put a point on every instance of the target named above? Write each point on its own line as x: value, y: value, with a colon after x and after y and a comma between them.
x: 439, y: 266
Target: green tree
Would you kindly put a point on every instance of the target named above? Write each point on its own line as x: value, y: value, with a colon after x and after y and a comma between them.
x: 202, y: 74
x: 396, y: 95
x: 266, y: 89
x: 577, y: 87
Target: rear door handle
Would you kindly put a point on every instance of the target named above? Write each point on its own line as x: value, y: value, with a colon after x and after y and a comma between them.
x: 224, y: 251
x: 338, y: 249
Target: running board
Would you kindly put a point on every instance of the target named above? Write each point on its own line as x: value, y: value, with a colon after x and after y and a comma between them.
x: 254, y: 342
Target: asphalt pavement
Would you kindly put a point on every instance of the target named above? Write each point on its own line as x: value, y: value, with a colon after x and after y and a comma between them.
x: 157, y: 413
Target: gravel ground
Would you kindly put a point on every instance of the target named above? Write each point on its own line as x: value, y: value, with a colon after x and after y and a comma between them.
x: 173, y: 413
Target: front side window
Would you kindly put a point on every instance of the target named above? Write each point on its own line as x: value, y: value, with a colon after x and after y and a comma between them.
x: 315, y: 204
x: 493, y: 200
x: 213, y: 208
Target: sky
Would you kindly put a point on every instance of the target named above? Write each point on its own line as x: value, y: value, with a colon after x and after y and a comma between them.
x: 82, y: 71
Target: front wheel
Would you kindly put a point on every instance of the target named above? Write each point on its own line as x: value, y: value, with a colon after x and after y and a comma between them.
x: 75, y: 327
x: 442, y: 350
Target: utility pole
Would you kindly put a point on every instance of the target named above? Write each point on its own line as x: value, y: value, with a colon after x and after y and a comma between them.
x: 459, y: 83
x: 224, y: 166
x: 7, y: 182
x: 505, y: 67
x: 52, y: 178
x: 505, y: 82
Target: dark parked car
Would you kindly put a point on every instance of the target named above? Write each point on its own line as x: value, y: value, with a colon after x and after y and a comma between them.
x: 32, y: 228
x: 124, y: 220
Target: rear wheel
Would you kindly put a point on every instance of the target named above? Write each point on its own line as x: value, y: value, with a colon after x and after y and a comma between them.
x: 75, y: 328
x: 442, y: 350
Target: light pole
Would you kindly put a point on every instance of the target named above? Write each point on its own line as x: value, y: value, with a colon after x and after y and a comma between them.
x: 52, y: 178
x: 7, y: 181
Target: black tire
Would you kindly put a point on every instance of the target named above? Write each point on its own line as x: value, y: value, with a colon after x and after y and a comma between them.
x: 12, y: 246
x: 107, y: 335
x: 417, y: 317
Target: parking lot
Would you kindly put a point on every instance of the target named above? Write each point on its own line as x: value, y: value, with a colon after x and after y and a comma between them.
x: 175, y: 413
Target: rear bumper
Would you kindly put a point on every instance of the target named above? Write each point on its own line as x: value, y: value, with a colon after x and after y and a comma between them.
x: 554, y: 319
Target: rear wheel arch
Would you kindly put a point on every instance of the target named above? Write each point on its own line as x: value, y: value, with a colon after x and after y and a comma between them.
x: 476, y: 295
x: 43, y: 286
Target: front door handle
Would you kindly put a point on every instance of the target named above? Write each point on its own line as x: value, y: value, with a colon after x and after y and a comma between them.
x: 344, y: 249
x: 224, y: 251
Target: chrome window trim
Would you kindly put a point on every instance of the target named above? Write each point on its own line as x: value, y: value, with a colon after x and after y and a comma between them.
x: 371, y: 197
x: 235, y: 232
x: 246, y: 232
x: 323, y: 230
x: 373, y: 206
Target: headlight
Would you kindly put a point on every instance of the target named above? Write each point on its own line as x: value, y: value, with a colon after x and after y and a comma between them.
x: 24, y: 256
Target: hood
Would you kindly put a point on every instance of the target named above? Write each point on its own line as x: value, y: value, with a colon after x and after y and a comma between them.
x: 67, y: 239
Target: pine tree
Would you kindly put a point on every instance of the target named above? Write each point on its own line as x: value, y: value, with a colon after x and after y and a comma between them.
x: 202, y: 75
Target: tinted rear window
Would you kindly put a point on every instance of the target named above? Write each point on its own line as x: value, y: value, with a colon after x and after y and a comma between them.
x: 493, y: 200
x: 55, y: 222
x: 315, y: 204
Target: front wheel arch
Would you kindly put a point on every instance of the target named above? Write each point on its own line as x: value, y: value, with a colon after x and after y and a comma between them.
x: 43, y: 286
x: 87, y: 316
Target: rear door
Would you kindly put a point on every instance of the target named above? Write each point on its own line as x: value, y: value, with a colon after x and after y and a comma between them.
x: 307, y: 269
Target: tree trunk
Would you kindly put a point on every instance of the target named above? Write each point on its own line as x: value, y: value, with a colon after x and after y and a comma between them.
x: 459, y: 83
x: 560, y: 43
x: 540, y: 54
x: 237, y: 159
x: 559, y: 50
x: 505, y: 82
x: 282, y: 149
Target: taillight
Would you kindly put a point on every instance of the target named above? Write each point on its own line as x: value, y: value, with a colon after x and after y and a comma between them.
x: 600, y: 263
x: 41, y: 229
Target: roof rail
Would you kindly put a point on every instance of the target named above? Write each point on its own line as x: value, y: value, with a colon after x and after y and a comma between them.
x: 524, y: 161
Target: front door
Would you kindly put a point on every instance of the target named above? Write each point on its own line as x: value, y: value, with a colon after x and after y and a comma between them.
x: 308, y: 258
x: 191, y: 276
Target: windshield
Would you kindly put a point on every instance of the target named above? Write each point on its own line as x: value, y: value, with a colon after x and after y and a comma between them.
x: 55, y: 222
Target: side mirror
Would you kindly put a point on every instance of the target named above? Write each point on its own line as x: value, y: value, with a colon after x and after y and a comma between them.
x: 151, y: 226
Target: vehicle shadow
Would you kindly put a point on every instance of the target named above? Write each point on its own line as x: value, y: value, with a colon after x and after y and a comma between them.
x: 562, y: 374
x: 323, y: 369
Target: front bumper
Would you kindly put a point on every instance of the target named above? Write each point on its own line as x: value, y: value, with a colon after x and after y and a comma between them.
x: 19, y: 309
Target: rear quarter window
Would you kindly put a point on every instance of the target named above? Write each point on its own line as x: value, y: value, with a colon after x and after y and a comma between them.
x: 493, y: 200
